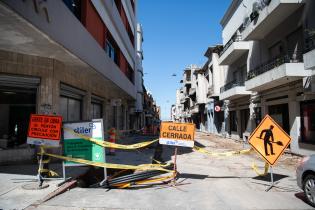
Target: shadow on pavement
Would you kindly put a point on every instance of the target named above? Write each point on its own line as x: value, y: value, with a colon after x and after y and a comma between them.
x: 228, y: 177
x: 198, y: 176
x: 191, y: 176
x: 302, y: 197
x: 25, y: 169
x: 267, y: 178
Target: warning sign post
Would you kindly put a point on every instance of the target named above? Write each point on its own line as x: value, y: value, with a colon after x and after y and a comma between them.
x: 269, y: 140
x: 44, y: 130
x: 177, y: 134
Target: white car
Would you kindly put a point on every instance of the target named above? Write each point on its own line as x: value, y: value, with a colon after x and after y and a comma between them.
x: 305, y: 177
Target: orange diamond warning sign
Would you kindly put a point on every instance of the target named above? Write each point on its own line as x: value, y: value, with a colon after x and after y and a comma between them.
x: 177, y: 134
x: 269, y: 140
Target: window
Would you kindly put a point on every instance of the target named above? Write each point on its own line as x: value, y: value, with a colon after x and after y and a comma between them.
x: 96, y: 111
x: 70, y: 109
x: 70, y: 103
x: 257, y: 111
x: 110, y: 51
x: 130, y: 74
x: 308, y: 121
x: 276, y: 50
x: 75, y: 7
x: 233, y: 121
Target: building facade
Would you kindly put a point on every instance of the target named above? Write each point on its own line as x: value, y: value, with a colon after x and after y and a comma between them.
x: 266, y: 66
x: 79, y: 59
x: 214, y: 74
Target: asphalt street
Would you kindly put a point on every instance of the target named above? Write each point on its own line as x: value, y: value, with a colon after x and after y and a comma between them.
x: 204, y: 183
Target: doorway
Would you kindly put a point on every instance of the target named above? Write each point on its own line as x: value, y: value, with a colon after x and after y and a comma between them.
x: 244, y: 120
x: 16, y: 106
x: 280, y: 113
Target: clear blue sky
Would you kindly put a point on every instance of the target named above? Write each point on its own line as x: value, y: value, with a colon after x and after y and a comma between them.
x: 176, y: 34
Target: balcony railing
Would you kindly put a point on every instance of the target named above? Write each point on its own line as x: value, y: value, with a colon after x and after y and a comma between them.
x: 235, y: 38
x: 210, y: 91
x: 232, y: 84
x: 275, y: 62
x: 309, y: 43
x: 192, y: 91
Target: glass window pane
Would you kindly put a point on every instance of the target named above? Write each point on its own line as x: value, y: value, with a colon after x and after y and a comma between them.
x: 63, y: 107
x: 74, y: 110
x: 96, y: 111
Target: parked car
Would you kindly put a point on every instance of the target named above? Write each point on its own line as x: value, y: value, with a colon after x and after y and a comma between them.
x: 305, y: 177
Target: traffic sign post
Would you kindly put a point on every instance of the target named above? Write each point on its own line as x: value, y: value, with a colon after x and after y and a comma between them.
x: 269, y: 140
x: 44, y: 130
x: 217, y: 108
x: 177, y: 134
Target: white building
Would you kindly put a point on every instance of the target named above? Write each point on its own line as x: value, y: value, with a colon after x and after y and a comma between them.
x: 214, y: 74
x: 264, y: 48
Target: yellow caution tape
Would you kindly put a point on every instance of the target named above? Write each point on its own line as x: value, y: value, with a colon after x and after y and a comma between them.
x: 255, y: 168
x: 46, y: 161
x: 109, y: 144
x: 110, y: 165
x: 222, y: 154
x: 50, y: 172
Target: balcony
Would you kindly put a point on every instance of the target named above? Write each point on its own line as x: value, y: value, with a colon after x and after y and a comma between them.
x: 233, y: 50
x: 210, y: 91
x: 192, y: 91
x: 194, y: 109
x: 187, y: 80
x: 233, y: 90
x: 182, y: 100
x: 309, y: 54
x: 276, y: 72
x: 269, y: 17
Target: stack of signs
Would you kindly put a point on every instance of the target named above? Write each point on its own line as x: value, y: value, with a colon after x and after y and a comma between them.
x: 44, y: 130
x: 177, y: 134
x: 75, y: 144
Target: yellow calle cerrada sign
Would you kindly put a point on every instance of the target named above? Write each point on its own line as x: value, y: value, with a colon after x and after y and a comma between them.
x: 269, y: 140
x: 177, y: 134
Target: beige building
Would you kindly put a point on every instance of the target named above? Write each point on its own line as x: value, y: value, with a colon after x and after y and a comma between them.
x: 268, y: 48
x: 265, y: 66
x: 78, y: 59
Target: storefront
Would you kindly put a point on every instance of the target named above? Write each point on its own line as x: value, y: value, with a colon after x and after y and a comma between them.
x: 280, y: 113
x: 17, y: 101
x: 244, y: 120
x: 308, y: 122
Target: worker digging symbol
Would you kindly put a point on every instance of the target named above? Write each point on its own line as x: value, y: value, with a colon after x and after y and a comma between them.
x: 269, y: 140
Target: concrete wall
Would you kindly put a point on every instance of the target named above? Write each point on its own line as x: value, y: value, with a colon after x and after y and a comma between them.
x: 52, y: 73
x: 218, y: 74
x: 67, y: 31
x: 139, y: 70
x: 242, y: 11
x: 201, y: 91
